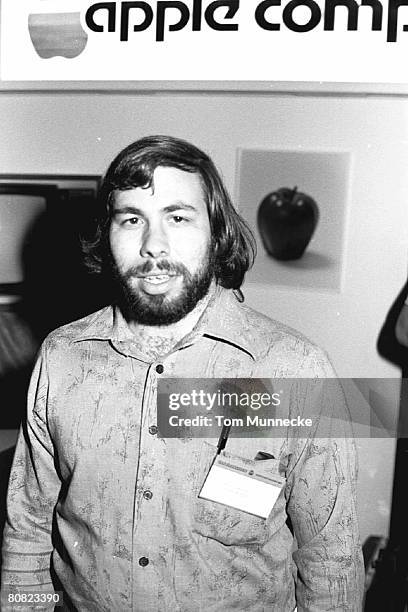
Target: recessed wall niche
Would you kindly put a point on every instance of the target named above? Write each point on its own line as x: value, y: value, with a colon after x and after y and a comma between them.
x: 323, y: 175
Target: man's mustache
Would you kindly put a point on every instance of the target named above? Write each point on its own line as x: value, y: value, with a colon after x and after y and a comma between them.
x: 149, y: 266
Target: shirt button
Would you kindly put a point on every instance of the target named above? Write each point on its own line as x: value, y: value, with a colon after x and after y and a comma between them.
x: 153, y: 429
x: 159, y: 368
x: 143, y: 561
x: 147, y: 494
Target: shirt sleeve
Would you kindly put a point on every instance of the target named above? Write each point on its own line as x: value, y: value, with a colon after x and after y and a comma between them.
x: 32, y: 495
x: 322, y: 508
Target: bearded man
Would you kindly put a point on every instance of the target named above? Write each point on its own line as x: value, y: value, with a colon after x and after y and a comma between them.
x: 109, y: 514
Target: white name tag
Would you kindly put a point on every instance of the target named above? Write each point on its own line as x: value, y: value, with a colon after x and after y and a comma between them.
x: 242, y: 484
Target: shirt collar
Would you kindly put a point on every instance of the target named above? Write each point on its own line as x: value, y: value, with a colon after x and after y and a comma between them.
x: 224, y: 319
x: 106, y: 324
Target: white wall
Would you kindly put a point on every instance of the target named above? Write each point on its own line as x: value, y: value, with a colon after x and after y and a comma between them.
x: 80, y: 133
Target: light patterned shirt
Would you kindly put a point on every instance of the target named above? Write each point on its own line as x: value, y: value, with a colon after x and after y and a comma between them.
x: 103, y: 506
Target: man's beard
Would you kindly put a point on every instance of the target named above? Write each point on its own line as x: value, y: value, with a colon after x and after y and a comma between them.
x: 147, y: 309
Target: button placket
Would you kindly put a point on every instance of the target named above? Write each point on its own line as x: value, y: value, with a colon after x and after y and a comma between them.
x: 148, y: 502
x: 153, y: 429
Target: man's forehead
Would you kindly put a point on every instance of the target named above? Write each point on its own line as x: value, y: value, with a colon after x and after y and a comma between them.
x: 168, y: 183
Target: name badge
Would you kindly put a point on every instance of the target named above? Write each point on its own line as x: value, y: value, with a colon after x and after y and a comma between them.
x: 246, y: 485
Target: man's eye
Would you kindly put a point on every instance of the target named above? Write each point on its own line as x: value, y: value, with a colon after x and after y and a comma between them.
x: 132, y: 221
x: 178, y: 219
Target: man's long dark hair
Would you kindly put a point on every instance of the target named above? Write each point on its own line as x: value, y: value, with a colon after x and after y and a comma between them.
x: 233, y: 241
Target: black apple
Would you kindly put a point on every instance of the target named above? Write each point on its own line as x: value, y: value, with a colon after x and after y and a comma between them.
x: 287, y: 219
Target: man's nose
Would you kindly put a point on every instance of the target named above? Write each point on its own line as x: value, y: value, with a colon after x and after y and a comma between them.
x: 155, y: 242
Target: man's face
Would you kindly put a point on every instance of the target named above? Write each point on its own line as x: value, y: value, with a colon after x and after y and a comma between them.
x: 160, y: 241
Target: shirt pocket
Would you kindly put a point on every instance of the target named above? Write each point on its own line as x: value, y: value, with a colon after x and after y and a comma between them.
x: 228, y: 525
x: 222, y: 523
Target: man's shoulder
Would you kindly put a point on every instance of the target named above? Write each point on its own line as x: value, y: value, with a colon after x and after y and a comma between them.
x: 265, y: 329
x: 275, y: 340
x: 71, y: 332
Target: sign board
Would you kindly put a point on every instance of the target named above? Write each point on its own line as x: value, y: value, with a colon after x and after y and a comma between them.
x: 357, y: 41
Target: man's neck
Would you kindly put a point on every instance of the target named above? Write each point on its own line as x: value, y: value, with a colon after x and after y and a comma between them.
x: 158, y: 340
